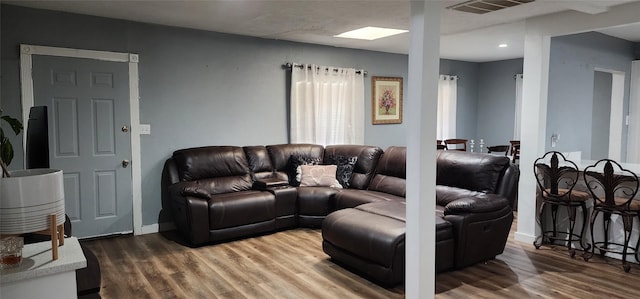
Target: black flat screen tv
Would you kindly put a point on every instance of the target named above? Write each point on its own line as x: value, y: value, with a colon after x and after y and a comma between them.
x: 37, y: 149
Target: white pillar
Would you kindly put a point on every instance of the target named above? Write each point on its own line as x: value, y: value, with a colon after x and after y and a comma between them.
x: 533, y: 128
x: 420, y: 108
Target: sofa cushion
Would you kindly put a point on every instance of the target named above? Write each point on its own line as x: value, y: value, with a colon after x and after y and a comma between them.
x: 369, y: 236
x: 319, y: 176
x: 349, y: 198
x: 210, y: 162
x: 390, y: 174
x: 316, y: 201
x: 240, y: 208
x: 395, y: 210
x: 472, y: 171
x: 226, y: 184
x: 280, y: 154
x: 259, y: 161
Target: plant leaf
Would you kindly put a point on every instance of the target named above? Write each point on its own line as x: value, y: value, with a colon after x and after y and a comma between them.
x: 6, y: 151
x: 15, y: 124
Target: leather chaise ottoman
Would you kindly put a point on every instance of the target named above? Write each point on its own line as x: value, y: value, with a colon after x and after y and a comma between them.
x: 370, y: 239
x: 368, y: 242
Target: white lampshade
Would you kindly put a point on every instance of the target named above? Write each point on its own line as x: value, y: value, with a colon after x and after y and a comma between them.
x: 28, y: 198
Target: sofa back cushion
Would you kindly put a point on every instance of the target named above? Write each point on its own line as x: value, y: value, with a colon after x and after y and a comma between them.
x: 391, y: 172
x: 219, y: 169
x: 280, y: 155
x: 367, y: 158
x: 472, y: 171
x: 259, y: 162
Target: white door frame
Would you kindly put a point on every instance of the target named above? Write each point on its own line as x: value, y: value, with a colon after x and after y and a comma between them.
x: 617, y: 110
x: 26, y: 81
x: 633, y: 139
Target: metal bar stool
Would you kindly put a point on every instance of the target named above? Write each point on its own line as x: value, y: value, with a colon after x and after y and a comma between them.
x: 613, y: 189
x: 556, y: 177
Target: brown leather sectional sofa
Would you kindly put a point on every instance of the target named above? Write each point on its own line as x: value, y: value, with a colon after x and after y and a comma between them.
x: 220, y: 193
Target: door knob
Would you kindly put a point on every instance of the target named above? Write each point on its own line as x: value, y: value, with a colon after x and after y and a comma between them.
x: 125, y: 163
x: 125, y: 129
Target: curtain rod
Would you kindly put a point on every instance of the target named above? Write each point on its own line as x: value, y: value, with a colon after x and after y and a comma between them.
x: 450, y: 77
x: 290, y: 65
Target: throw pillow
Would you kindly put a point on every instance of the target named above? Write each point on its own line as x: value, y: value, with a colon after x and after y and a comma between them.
x: 319, y: 176
x: 346, y: 165
x: 293, y: 169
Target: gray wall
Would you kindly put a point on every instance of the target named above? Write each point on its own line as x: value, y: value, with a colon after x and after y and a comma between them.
x: 496, y: 100
x: 204, y: 88
x: 573, y: 60
x: 197, y: 88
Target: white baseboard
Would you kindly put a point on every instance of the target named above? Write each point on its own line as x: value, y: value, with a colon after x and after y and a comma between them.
x: 522, y: 237
x: 157, y: 227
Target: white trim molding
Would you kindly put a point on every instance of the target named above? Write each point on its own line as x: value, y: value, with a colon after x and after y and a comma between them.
x: 158, y: 227
x: 26, y: 82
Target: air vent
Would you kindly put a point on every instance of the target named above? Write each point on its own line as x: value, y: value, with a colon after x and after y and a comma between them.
x: 485, y: 6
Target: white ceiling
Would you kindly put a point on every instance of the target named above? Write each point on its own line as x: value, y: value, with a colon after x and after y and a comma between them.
x: 465, y: 36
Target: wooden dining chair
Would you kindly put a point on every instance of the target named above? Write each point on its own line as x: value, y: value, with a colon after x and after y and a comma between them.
x: 499, y: 149
x: 515, y: 150
x: 454, y: 143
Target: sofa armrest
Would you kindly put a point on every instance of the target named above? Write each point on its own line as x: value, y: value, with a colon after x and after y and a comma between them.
x: 195, y: 191
x: 480, y: 203
x: 268, y: 183
x: 190, y: 211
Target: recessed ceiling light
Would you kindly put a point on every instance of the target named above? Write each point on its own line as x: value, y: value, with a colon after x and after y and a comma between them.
x: 370, y: 33
x: 502, y: 45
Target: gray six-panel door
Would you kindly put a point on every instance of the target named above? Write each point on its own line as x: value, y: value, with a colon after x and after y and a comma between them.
x: 89, y: 139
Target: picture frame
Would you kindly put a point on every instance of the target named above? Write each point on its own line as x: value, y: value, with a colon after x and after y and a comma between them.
x: 386, y: 100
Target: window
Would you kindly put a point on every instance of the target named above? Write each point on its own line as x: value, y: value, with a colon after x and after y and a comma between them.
x: 447, y: 101
x: 327, y: 105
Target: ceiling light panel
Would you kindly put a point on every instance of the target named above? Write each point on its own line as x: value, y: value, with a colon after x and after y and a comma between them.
x: 370, y: 33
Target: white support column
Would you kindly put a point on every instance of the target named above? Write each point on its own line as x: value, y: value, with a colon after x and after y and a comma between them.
x: 421, y: 104
x: 534, y: 126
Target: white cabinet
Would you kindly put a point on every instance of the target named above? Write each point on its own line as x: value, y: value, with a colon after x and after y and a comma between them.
x: 39, y: 276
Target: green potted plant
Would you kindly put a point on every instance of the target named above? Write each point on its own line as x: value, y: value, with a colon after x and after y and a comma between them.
x: 6, y: 148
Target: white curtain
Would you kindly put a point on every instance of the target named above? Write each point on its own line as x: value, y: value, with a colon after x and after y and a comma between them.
x: 447, y: 101
x: 327, y: 105
x: 518, y: 118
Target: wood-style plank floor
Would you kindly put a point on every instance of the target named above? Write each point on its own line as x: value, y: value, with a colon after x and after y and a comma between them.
x: 291, y: 264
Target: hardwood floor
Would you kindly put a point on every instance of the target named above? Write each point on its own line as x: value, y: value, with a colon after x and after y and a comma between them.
x: 291, y: 264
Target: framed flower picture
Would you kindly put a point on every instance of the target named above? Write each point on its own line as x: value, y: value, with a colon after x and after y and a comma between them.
x: 386, y: 100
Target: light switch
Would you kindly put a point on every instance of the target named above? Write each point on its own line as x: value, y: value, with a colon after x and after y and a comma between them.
x: 145, y: 129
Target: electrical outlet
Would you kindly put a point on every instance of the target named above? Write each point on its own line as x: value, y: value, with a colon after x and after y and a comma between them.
x: 145, y: 129
x: 554, y: 139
